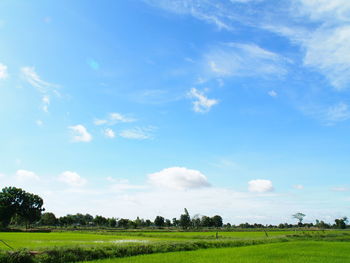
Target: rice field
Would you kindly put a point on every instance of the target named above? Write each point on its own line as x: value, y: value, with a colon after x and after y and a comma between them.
x: 166, y: 246
x: 290, y: 252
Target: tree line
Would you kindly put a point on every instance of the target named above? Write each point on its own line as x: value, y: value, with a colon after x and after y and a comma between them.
x: 20, y: 208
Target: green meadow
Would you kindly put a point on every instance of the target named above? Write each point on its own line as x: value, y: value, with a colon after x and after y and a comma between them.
x: 289, y: 252
x: 43, y: 240
x: 167, y: 246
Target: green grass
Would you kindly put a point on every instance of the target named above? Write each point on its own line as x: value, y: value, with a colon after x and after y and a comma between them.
x: 54, y: 239
x: 40, y: 241
x: 290, y: 252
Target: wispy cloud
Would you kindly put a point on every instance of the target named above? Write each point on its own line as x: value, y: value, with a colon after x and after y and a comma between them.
x: 329, y: 114
x: 138, y: 133
x: 42, y: 86
x: 338, y: 112
x: 114, y: 118
x: 35, y: 80
x: 201, y: 103
x: 3, y: 71
x: 80, y: 133
x: 323, y: 35
x: 109, y: 133
x: 237, y: 59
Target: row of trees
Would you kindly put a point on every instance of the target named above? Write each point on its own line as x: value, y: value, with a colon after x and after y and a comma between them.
x: 17, y: 207
x: 185, y: 221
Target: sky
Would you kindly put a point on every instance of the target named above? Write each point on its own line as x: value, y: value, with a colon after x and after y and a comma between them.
x: 141, y: 108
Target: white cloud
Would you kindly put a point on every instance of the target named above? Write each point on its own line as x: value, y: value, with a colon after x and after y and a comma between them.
x: 202, y: 104
x: 42, y: 86
x: 338, y: 112
x: 109, y: 133
x: 138, y: 133
x: 72, y: 179
x: 323, y: 36
x: 298, y: 187
x: 34, y: 79
x: 260, y: 186
x: 2, y: 175
x: 334, y: 11
x: 80, y: 133
x: 46, y: 103
x: 3, y: 71
x: 272, y: 93
x: 328, y: 115
x: 114, y: 118
x: 178, y: 178
x: 24, y: 175
x: 237, y: 59
x: 328, y: 50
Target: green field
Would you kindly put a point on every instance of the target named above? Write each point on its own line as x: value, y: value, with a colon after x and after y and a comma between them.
x: 292, y: 252
x: 44, y: 240
x: 166, y: 246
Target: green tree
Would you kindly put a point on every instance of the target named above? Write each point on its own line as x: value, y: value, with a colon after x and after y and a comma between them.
x: 100, y: 221
x: 48, y: 219
x: 300, y: 217
x: 185, y: 220
x: 206, y: 221
x: 112, y: 222
x: 341, y: 223
x: 159, y: 221
x: 15, y: 201
x: 217, y: 221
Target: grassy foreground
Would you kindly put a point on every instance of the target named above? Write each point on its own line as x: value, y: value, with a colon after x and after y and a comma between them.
x: 290, y: 252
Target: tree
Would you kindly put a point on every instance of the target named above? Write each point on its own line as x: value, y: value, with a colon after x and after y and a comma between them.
x: 206, y: 221
x: 159, y: 221
x: 112, y: 222
x: 15, y: 201
x: 100, y: 221
x: 185, y: 220
x: 217, y: 221
x: 300, y: 217
x: 341, y: 223
x: 123, y: 223
x: 48, y: 219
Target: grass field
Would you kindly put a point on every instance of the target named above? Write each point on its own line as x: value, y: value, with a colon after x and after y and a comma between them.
x: 44, y: 240
x: 241, y: 246
x: 290, y: 252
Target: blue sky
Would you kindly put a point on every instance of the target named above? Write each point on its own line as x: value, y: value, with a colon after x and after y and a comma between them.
x: 139, y: 108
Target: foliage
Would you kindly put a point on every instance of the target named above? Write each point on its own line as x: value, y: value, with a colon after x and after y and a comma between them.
x: 159, y: 221
x: 15, y: 201
x: 299, y: 216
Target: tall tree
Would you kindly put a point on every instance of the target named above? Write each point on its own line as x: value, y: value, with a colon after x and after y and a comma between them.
x: 159, y: 221
x: 217, y: 221
x: 185, y: 220
x: 300, y: 217
x: 15, y: 201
